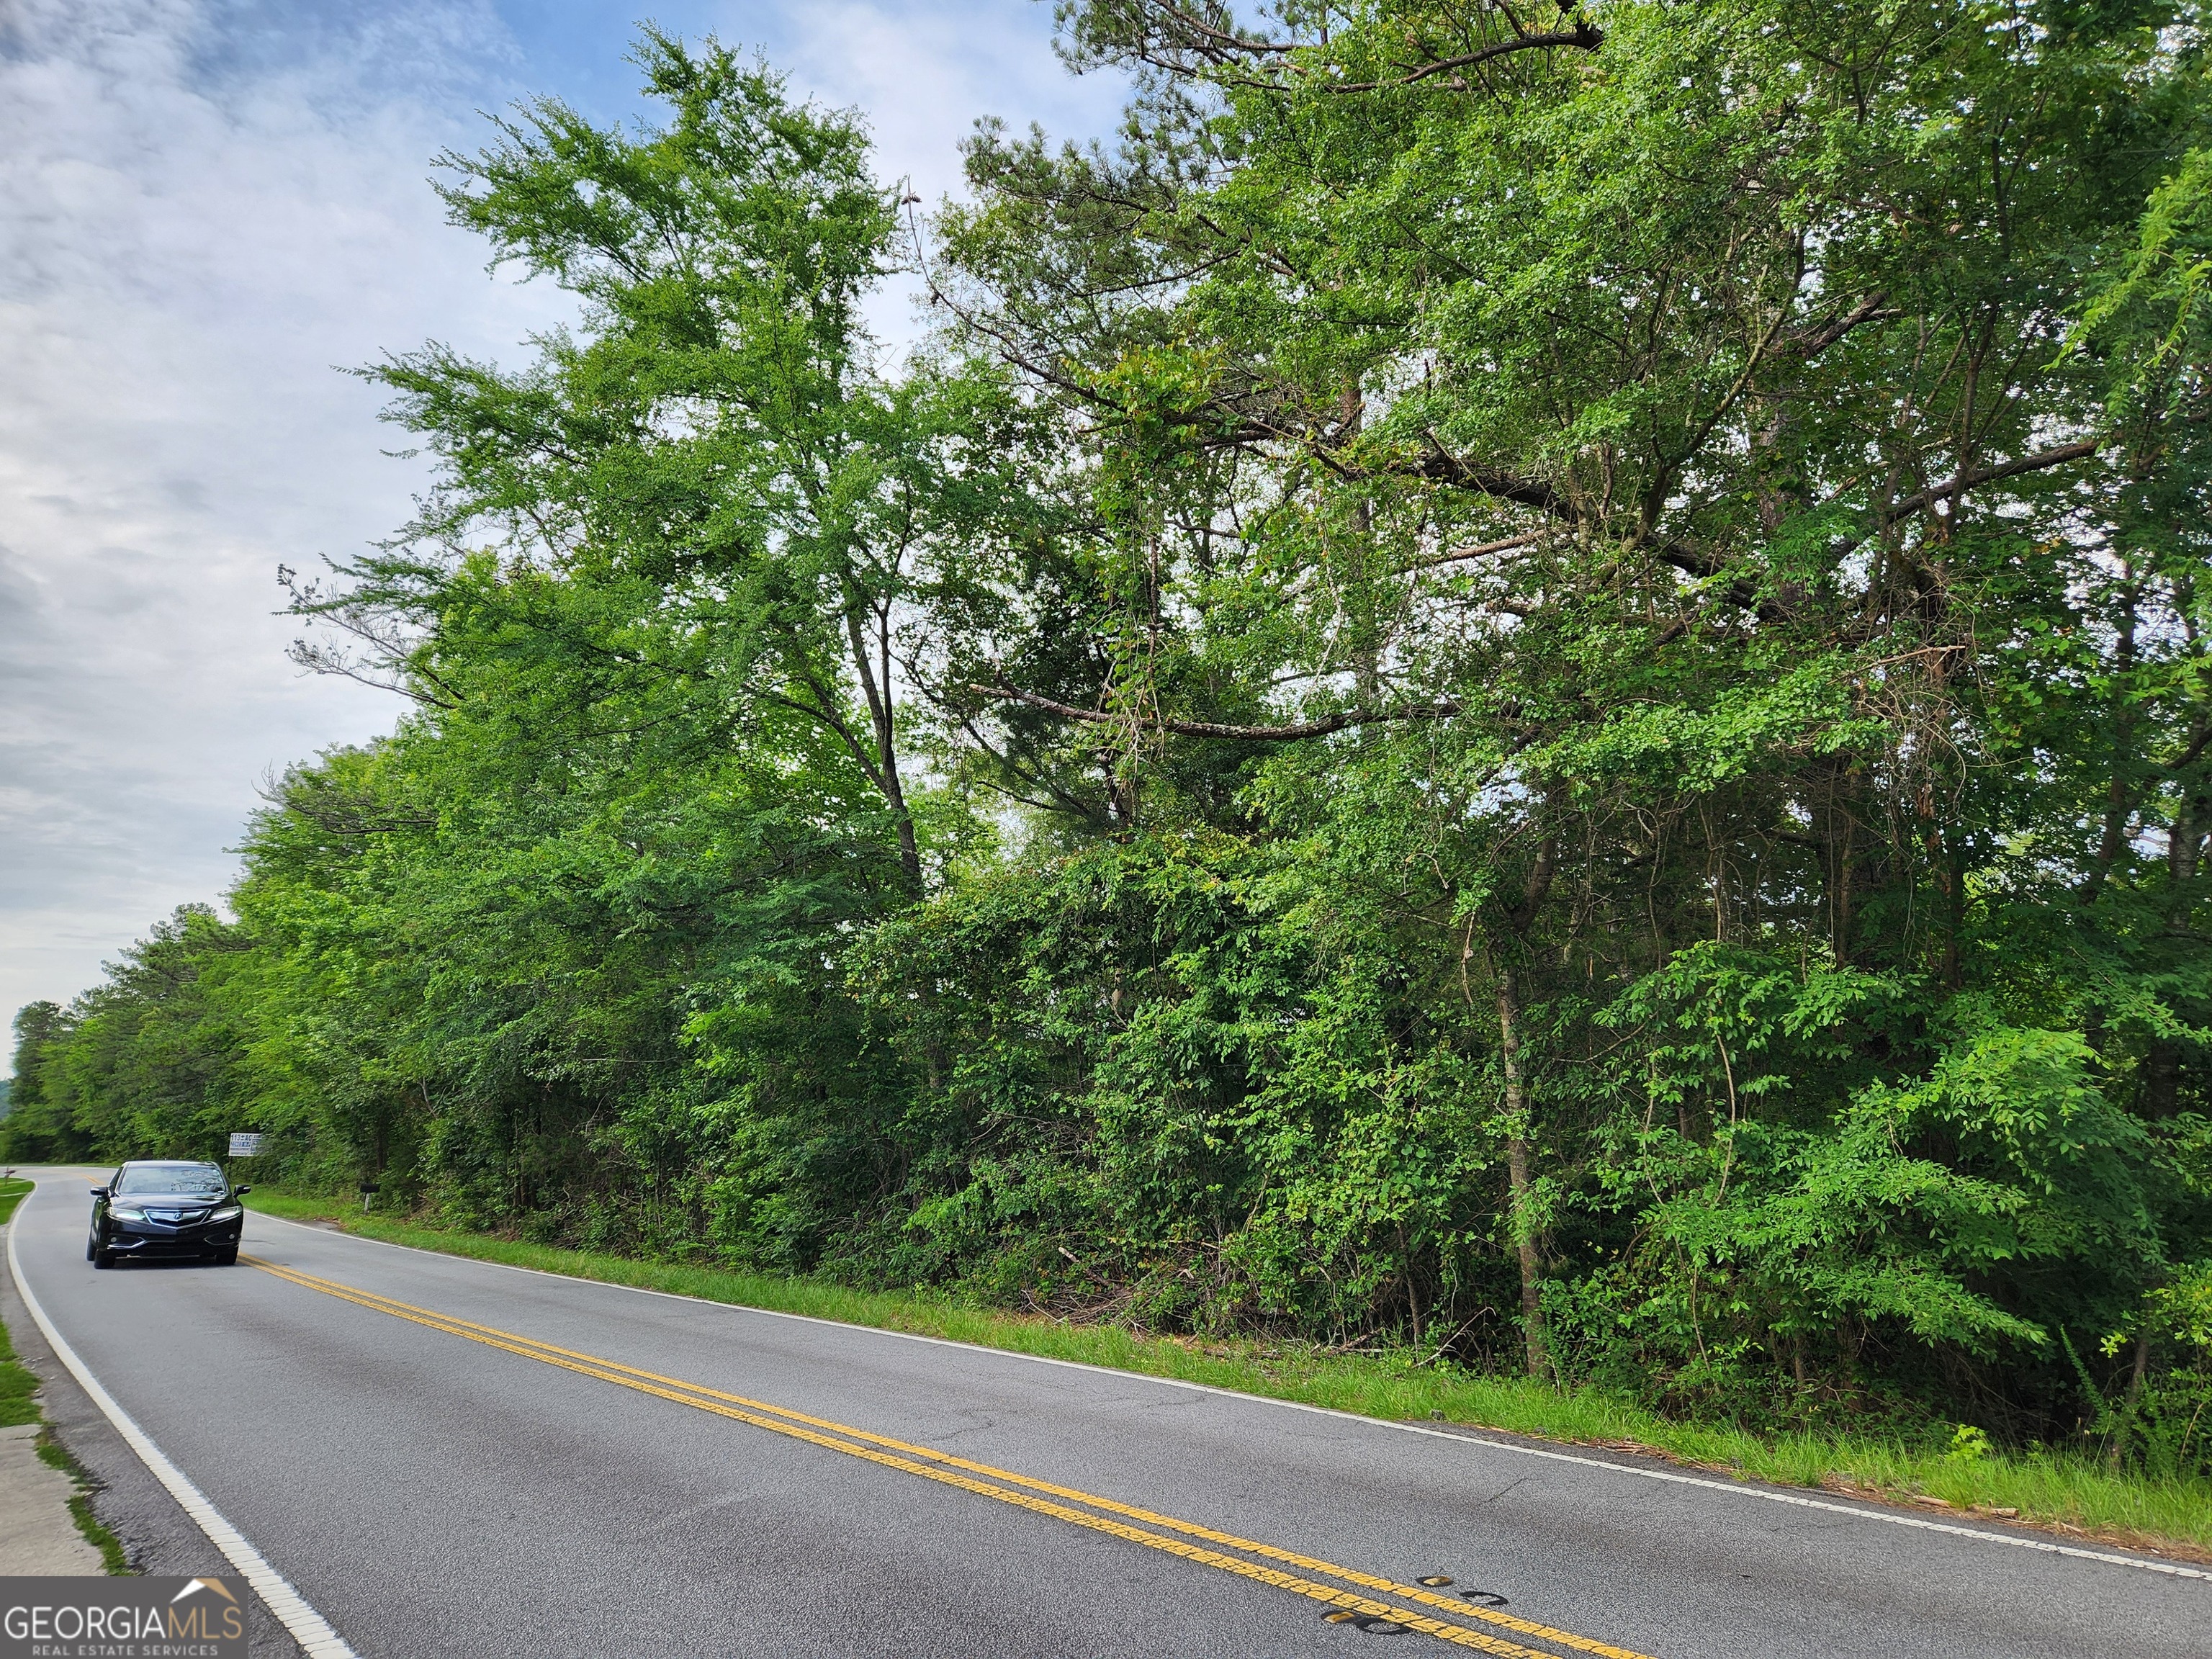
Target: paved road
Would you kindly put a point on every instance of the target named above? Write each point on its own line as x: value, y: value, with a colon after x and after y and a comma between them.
x: 449, y: 1458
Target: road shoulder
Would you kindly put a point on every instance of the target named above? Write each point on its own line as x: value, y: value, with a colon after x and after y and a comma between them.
x: 39, y: 1536
x: 157, y: 1536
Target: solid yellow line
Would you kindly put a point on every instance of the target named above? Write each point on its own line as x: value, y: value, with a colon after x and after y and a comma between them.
x: 1522, y: 1627
x: 643, y: 1381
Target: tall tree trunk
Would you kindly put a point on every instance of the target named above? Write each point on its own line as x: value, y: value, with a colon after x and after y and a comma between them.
x: 1518, y: 1172
x: 910, y: 849
x: 2161, y: 1068
x: 1834, y: 827
x: 1357, y: 570
x: 2119, y: 794
x: 2136, y: 1373
x: 1528, y: 1237
x: 874, y: 669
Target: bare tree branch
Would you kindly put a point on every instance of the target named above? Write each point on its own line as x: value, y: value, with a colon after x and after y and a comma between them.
x: 1178, y: 40
x: 1585, y: 36
x: 1322, y: 727
x: 1461, y: 556
x: 1959, y: 483
x: 1868, y: 310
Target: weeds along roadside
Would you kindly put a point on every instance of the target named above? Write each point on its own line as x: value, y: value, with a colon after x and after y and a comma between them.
x: 2071, y: 1496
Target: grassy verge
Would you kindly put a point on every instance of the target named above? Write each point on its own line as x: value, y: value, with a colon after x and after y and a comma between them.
x: 2066, y: 1495
x: 54, y: 1453
x: 17, y: 1386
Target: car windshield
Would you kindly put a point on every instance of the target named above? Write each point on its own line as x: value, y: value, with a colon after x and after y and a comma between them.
x: 177, y: 1180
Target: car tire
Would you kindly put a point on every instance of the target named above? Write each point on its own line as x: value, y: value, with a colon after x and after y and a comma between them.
x: 227, y: 1257
x: 92, y: 1247
x: 103, y: 1258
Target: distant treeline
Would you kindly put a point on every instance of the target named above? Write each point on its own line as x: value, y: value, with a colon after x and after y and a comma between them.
x: 1528, y: 682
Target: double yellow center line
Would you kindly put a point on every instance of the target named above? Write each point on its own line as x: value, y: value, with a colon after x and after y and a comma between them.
x: 1102, y: 1515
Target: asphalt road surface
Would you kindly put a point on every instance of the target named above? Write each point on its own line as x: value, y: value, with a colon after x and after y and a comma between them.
x: 450, y: 1458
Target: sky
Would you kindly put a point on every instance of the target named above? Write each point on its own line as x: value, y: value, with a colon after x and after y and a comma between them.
x: 208, y: 208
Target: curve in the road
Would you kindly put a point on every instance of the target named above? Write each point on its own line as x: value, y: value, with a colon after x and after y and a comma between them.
x: 308, y: 1628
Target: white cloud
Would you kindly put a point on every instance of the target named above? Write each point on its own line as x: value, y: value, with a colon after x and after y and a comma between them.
x: 921, y: 75
x: 189, y: 241
x: 206, y: 207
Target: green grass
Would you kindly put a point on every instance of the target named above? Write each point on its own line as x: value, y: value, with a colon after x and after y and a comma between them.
x: 17, y: 1385
x: 2068, y: 1494
x: 54, y: 1453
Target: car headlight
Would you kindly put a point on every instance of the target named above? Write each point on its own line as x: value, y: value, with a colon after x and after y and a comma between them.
x: 123, y: 1213
x: 228, y: 1212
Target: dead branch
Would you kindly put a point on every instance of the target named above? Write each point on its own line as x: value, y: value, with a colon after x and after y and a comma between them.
x: 1322, y: 727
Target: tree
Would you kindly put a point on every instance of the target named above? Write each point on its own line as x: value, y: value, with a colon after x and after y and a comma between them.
x: 1535, y: 682
x: 1674, y: 408
x: 713, y: 481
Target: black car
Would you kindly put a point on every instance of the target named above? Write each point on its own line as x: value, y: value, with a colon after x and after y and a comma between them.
x: 167, y: 1211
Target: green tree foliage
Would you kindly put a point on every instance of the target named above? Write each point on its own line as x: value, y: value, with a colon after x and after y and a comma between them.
x: 151, y: 1057
x: 1533, y: 679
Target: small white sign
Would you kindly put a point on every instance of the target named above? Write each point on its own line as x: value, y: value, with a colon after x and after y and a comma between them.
x: 245, y: 1146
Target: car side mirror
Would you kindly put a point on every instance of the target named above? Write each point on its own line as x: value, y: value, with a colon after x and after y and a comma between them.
x: 100, y: 1192
x: 239, y: 1191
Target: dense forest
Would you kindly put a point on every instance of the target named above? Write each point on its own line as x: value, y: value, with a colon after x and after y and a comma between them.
x: 1524, y: 679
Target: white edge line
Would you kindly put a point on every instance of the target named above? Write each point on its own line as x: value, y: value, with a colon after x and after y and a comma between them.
x: 1743, y: 1489
x: 308, y: 1628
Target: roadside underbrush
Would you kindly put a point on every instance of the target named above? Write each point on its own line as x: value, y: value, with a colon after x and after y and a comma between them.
x: 2066, y: 1495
